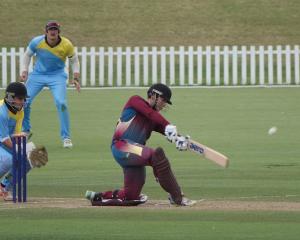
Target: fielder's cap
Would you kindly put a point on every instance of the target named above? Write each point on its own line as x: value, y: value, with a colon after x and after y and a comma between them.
x: 52, y: 25
x: 161, y: 89
x: 16, y: 89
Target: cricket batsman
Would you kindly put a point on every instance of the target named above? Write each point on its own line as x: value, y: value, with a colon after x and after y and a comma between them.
x: 11, y: 118
x: 137, y: 121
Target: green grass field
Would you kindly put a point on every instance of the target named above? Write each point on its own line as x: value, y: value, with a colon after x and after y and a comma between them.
x: 234, y: 121
x: 264, y: 169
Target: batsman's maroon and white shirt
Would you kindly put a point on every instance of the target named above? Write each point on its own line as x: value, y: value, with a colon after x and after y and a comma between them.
x: 138, y: 119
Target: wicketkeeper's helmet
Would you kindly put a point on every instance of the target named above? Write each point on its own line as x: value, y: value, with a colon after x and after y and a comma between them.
x: 13, y: 90
x: 162, y: 90
x: 16, y: 89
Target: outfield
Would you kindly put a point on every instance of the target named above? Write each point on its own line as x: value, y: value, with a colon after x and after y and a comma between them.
x: 257, y: 197
x: 154, y: 23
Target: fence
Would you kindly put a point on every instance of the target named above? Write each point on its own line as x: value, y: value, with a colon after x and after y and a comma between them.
x: 253, y: 65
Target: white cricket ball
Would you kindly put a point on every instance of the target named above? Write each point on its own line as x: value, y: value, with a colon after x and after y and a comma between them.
x: 272, y: 130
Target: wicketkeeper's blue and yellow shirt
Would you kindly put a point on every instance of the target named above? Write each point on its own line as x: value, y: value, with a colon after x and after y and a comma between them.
x: 10, y: 123
x: 50, y: 60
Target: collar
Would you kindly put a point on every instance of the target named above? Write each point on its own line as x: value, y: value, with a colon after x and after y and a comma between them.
x: 58, y: 42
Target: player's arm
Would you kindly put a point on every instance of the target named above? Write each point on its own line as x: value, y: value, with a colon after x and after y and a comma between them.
x: 74, y: 62
x: 141, y: 106
x: 26, y: 61
x: 162, y: 125
x: 7, y: 143
x: 4, y: 133
x: 75, y: 66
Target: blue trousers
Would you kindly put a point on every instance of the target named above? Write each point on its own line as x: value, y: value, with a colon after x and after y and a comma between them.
x: 5, y: 161
x: 6, y: 167
x: 57, y: 84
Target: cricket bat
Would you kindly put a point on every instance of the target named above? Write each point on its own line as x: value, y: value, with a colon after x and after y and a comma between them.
x: 208, y: 153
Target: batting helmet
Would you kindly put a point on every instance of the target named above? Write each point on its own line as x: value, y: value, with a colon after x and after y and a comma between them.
x: 162, y: 90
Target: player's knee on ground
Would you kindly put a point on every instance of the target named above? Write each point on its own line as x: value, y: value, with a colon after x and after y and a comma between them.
x: 114, y: 198
x: 133, y: 191
x: 163, y: 172
x: 134, y: 180
x: 128, y: 193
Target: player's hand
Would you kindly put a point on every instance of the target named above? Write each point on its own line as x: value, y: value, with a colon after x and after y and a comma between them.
x: 76, y: 83
x: 24, y: 76
x: 171, y: 133
x: 182, y: 143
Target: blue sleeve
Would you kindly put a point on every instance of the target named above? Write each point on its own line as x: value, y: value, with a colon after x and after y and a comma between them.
x: 4, y: 130
x: 34, y: 43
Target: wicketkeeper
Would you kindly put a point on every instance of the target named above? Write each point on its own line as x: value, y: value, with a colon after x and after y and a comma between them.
x: 11, y: 117
x: 138, y: 119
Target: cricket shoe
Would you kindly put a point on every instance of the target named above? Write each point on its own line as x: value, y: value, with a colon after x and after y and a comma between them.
x: 184, y: 202
x: 89, y: 195
x: 98, y: 200
x: 4, y: 194
x: 67, y: 143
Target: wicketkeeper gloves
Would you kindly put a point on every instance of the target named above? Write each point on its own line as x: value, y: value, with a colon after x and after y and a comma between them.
x: 38, y: 156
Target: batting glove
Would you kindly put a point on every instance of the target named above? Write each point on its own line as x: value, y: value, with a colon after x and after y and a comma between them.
x: 171, y: 133
x: 181, y: 143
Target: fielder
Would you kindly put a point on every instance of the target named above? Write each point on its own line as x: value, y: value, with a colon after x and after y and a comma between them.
x: 11, y: 117
x: 138, y: 119
x: 51, y: 51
